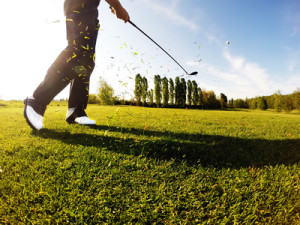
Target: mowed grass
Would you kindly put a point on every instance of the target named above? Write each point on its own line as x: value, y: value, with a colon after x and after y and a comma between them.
x: 150, y: 166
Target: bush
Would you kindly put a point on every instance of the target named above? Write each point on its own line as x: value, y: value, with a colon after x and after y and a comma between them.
x: 93, y: 99
x: 106, y: 93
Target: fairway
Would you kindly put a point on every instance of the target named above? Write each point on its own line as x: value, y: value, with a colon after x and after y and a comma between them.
x: 150, y: 166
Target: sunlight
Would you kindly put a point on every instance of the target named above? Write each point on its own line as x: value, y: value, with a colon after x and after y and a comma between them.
x: 28, y: 36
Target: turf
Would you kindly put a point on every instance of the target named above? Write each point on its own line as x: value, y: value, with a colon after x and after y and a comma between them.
x: 150, y: 166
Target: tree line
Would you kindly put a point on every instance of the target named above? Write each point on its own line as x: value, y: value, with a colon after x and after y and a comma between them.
x: 179, y: 93
x: 276, y: 101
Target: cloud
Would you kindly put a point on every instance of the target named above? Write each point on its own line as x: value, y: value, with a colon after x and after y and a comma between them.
x: 251, y: 72
x: 242, y: 78
x: 170, y: 11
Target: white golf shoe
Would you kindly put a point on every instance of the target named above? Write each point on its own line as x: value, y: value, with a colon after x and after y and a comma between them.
x: 34, y: 113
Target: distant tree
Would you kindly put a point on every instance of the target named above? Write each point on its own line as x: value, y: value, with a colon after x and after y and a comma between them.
x: 223, y: 101
x: 105, y: 93
x: 165, y: 91
x: 270, y: 101
x: 157, y: 90
x: 93, y: 99
x: 177, y: 91
x: 253, y: 103
x: 144, y: 90
x: 201, y: 98
x: 189, y: 92
x: 138, y: 89
x: 278, y: 101
x: 296, y: 99
x: 171, y: 91
x: 195, y: 93
x: 247, y: 103
x: 150, y: 96
x: 261, y: 103
x: 182, y: 92
x: 240, y: 103
x: 231, y: 102
x: 287, y: 104
x: 212, y: 102
x: 204, y: 99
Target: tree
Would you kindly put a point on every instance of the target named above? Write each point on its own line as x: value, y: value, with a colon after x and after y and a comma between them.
x: 223, y: 101
x: 287, y: 104
x: 150, y: 96
x: 204, y: 99
x: 253, y: 103
x: 230, y: 103
x: 171, y: 91
x: 195, y: 93
x: 182, y: 92
x: 278, y: 100
x: 93, y: 99
x: 212, y: 102
x: 144, y: 90
x: 165, y: 91
x: 177, y: 91
x: 261, y: 103
x: 157, y: 89
x: 201, y: 98
x: 189, y: 92
x: 138, y: 89
x: 105, y: 93
x: 240, y: 103
x: 296, y: 98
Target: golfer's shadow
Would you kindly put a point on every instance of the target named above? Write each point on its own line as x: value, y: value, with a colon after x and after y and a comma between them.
x: 207, y: 150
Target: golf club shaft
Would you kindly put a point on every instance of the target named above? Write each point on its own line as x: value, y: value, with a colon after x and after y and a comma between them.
x: 157, y: 45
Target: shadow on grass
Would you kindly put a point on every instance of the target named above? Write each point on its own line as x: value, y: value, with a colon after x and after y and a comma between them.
x: 207, y: 150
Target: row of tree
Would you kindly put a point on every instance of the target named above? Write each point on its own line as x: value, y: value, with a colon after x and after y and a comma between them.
x: 180, y: 93
x: 276, y: 101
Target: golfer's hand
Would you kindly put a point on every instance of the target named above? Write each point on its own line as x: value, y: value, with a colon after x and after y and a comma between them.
x: 120, y: 12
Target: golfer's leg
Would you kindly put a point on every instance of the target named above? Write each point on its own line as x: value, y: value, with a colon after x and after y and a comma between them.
x: 57, y: 78
x: 79, y: 89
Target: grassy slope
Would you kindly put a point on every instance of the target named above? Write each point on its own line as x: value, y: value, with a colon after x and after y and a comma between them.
x: 144, y: 165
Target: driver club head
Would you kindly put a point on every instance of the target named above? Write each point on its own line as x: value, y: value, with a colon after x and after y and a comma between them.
x: 193, y: 73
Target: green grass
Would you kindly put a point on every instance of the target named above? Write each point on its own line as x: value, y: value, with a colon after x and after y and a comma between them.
x: 150, y: 166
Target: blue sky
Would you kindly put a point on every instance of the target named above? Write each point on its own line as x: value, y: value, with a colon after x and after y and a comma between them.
x: 262, y: 57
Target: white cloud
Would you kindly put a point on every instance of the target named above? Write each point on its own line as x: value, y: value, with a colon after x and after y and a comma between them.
x: 255, y: 76
x: 242, y: 78
x: 171, y: 12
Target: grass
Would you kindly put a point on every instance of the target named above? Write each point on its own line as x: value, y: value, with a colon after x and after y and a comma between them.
x: 150, y: 166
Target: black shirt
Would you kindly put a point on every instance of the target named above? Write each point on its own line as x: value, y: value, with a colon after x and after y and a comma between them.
x: 81, y: 6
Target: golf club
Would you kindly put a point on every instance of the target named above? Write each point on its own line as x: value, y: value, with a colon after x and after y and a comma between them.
x: 191, y: 74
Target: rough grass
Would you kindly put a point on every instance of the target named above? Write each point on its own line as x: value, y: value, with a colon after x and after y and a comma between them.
x: 150, y: 166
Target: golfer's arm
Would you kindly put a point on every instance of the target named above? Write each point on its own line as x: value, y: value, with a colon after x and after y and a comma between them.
x: 118, y: 10
x: 114, y: 3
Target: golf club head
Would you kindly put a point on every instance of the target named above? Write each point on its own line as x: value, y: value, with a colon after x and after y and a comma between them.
x: 193, y: 73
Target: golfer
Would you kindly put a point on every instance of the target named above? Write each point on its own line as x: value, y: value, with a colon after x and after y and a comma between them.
x: 74, y: 65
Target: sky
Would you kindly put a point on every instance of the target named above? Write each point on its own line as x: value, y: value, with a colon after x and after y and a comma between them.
x: 261, y: 58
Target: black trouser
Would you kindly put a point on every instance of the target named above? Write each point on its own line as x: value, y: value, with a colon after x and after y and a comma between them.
x: 75, y: 63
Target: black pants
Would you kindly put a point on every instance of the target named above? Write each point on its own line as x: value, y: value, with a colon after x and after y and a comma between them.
x: 76, y: 62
